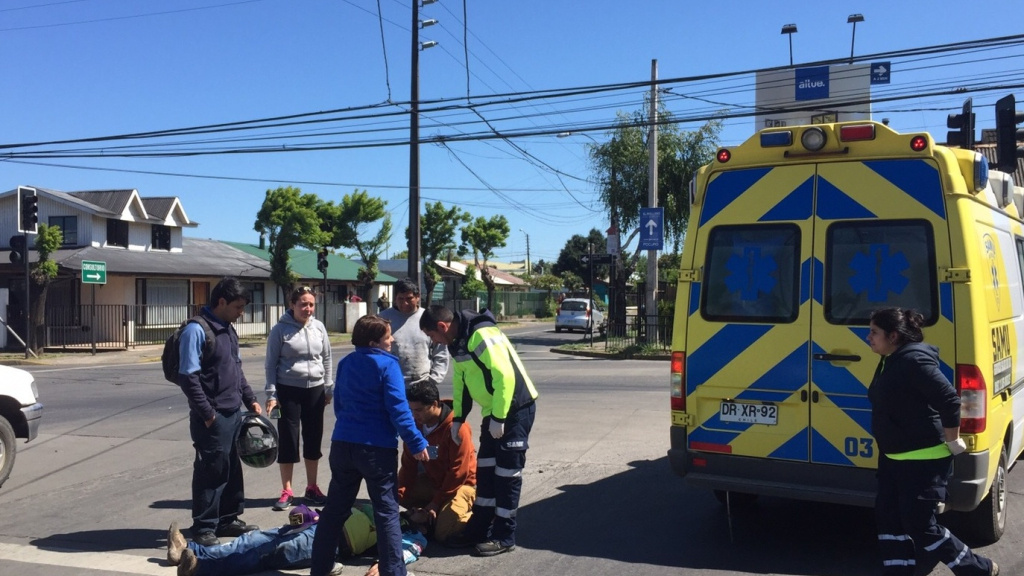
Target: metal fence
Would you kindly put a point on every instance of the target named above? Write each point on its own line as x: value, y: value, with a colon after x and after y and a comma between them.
x: 123, y: 326
x: 634, y: 332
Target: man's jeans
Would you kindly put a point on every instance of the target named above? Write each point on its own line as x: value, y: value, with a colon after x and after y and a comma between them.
x: 256, y: 551
x: 217, y: 486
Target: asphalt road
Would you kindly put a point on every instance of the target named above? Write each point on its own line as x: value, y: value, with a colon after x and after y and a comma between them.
x: 111, y: 469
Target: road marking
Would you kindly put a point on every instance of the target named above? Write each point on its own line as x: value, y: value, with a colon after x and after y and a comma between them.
x: 70, y: 558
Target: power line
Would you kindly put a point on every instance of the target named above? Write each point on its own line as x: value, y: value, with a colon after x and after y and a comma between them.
x: 133, y: 16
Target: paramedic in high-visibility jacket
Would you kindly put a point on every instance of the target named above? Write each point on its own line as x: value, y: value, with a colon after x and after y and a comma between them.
x: 488, y: 370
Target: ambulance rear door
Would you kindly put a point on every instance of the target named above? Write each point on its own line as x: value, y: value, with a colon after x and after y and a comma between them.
x: 880, y: 238
x: 749, y: 350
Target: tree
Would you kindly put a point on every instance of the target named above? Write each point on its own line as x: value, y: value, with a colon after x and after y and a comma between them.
x: 403, y: 255
x: 572, y: 282
x: 482, y: 237
x: 620, y: 167
x: 438, y: 238
x: 570, y: 259
x: 542, y: 267
x: 290, y: 219
x: 470, y: 285
x: 41, y: 274
x: 349, y: 222
x: 550, y: 283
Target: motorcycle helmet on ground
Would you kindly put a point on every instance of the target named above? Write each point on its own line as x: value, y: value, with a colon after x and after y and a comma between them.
x: 257, y: 441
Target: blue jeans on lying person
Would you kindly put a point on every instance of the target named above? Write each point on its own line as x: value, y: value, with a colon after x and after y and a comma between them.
x: 256, y: 551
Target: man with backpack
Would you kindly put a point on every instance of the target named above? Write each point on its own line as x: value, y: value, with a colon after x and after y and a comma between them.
x: 210, y: 374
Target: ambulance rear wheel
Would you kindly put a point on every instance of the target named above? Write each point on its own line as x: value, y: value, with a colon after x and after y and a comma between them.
x: 988, y: 520
x: 736, y: 498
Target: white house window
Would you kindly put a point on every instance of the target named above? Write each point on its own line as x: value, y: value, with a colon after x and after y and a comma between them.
x: 68, y: 227
x: 117, y: 233
x: 161, y: 237
x: 161, y: 302
x: 255, y: 310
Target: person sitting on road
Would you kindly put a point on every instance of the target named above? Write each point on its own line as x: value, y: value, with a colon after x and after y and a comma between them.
x: 440, y: 491
x: 285, y: 548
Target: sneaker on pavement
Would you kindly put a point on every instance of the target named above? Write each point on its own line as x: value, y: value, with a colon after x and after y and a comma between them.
x: 336, y: 571
x: 236, y: 528
x: 189, y: 563
x: 175, y: 544
x: 314, y: 496
x: 995, y: 569
x: 205, y: 539
x: 493, y: 548
x: 285, y: 501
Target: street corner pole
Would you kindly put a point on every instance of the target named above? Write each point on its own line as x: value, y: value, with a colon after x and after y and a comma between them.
x: 414, y: 154
x: 652, y: 202
x: 590, y: 291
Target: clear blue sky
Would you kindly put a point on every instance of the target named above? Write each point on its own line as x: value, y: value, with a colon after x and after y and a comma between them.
x: 84, y: 68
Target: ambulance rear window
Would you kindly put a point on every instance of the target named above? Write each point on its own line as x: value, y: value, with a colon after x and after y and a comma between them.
x: 879, y: 264
x: 752, y: 274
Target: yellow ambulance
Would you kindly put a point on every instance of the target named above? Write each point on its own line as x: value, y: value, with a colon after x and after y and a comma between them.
x: 795, y: 237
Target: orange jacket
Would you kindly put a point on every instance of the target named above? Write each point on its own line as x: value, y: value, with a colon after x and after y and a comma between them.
x: 455, y: 465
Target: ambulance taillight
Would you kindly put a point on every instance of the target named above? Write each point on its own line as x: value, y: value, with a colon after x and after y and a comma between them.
x: 970, y: 384
x: 678, y: 367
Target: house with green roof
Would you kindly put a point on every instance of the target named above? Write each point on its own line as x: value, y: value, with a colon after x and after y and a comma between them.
x: 342, y: 273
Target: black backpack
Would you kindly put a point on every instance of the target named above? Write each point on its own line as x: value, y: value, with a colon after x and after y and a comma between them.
x: 171, y: 358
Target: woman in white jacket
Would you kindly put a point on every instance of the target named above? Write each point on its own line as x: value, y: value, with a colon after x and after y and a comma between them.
x: 299, y: 382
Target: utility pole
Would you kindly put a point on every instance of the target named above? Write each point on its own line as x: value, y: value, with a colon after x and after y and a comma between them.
x: 414, y: 153
x: 652, y: 202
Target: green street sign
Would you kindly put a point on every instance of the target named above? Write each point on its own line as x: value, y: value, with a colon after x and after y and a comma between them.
x: 94, y: 272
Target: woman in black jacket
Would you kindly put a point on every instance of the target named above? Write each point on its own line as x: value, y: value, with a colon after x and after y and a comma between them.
x: 915, y: 418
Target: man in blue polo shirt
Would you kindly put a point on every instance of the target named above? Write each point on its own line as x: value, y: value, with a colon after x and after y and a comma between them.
x: 212, y: 379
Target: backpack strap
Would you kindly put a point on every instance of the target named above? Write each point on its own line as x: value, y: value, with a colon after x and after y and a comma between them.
x: 210, y: 346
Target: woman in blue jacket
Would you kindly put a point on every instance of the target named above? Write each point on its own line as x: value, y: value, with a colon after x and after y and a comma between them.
x: 915, y: 419
x: 372, y: 412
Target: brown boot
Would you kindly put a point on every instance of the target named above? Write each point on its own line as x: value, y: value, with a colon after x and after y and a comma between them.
x: 175, y: 544
x: 189, y: 563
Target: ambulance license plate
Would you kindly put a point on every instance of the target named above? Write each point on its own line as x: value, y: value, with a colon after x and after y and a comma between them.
x: 744, y: 413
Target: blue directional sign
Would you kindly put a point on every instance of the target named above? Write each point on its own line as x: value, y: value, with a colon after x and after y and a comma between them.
x: 652, y: 228
x: 880, y: 72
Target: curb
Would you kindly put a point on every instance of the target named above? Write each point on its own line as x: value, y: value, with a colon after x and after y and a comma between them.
x: 606, y: 355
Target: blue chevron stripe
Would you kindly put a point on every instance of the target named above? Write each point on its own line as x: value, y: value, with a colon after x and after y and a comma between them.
x: 775, y: 396
x: 823, y: 452
x: 795, y: 206
x: 694, y: 297
x: 946, y: 300
x: 793, y: 449
x: 702, y: 434
x: 726, y: 188
x: 917, y: 178
x: 834, y: 204
x: 719, y: 350
x: 789, y: 374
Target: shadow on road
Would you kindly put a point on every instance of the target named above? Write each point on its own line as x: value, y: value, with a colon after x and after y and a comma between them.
x: 250, y: 504
x: 103, y: 540
x: 648, y: 516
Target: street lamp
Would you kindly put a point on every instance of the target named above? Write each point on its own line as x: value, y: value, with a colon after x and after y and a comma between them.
x: 414, y: 141
x: 528, y: 270
x: 853, y: 19
x: 790, y: 29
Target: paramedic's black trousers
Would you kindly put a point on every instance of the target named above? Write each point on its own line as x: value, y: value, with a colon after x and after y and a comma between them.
x: 908, y: 493
x: 499, y: 478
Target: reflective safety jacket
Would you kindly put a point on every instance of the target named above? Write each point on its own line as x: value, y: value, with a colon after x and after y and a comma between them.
x: 487, y: 369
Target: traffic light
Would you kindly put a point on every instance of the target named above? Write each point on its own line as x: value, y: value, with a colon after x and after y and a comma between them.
x: 18, y: 245
x: 1007, y: 134
x: 321, y: 261
x: 28, y: 204
x: 964, y: 125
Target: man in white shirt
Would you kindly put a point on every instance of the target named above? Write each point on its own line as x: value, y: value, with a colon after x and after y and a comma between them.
x: 419, y: 358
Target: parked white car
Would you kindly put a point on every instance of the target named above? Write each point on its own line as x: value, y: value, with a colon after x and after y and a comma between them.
x: 579, y: 314
x: 20, y: 414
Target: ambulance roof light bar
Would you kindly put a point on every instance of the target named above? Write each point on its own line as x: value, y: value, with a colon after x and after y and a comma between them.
x: 857, y: 132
